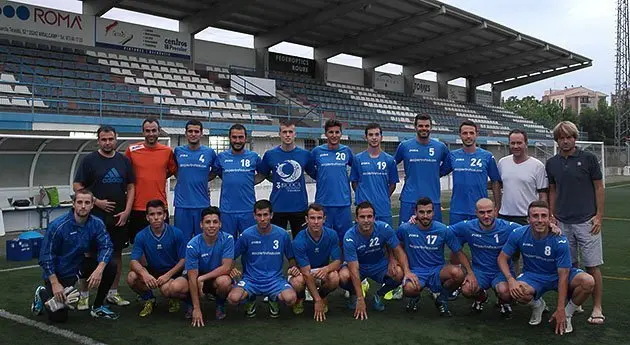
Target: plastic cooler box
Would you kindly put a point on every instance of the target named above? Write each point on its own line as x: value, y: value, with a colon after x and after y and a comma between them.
x: 19, y: 250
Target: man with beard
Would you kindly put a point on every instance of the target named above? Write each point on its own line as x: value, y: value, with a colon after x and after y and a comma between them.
x: 109, y: 176
x: 237, y: 169
x: 152, y: 164
x: 194, y: 162
x: 423, y: 159
x: 374, y: 175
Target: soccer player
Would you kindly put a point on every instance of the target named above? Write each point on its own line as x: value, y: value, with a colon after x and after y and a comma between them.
x: 523, y: 179
x: 318, y: 257
x: 374, y: 175
x: 164, y: 248
x: 546, y: 266
x: 471, y: 167
x: 209, y: 258
x: 424, y: 244
x: 285, y: 165
x: 110, y: 178
x: 152, y: 164
x: 237, y: 169
x: 62, y: 259
x: 424, y: 162
x: 364, y: 247
x: 262, y: 248
x: 194, y: 162
x: 331, y: 161
x: 576, y: 199
x: 485, y: 236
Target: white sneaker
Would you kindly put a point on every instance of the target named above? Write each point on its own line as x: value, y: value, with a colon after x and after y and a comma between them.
x: 537, y: 312
x: 569, y: 328
x: 308, y: 297
x: 579, y: 309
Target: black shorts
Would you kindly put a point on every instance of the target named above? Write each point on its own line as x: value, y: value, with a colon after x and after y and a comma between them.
x: 516, y: 219
x: 295, y: 219
x: 137, y: 222
x: 118, y: 234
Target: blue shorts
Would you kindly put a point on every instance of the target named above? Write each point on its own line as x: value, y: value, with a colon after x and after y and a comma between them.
x: 455, y: 218
x: 188, y: 220
x: 271, y: 289
x: 430, y: 278
x: 387, y: 219
x: 408, y: 209
x: 377, y: 275
x: 235, y: 223
x: 542, y: 283
x: 338, y: 219
x: 487, y: 280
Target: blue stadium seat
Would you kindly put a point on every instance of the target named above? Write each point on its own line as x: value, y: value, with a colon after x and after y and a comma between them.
x: 68, y: 83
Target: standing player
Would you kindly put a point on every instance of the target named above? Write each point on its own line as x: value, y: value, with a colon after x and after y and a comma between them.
x: 109, y: 176
x: 374, y: 175
x: 164, y: 248
x: 152, y: 164
x: 318, y: 256
x: 237, y: 169
x: 546, y: 266
x: 62, y: 259
x: 194, y: 162
x: 286, y: 164
x: 333, y: 187
x: 364, y: 247
x: 262, y: 248
x: 424, y: 243
x: 576, y: 197
x: 424, y: 161
x: 209, y: 258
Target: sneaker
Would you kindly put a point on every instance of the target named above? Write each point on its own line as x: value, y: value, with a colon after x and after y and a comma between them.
x: 377, y: 303
x: 569, y: 327
x: 308, y: 296
x: 298, y: 307
x: 506, y: 311
x: 103, y: 312
x: 346, y: 294
x: 579, y: 309
x: 219, y: 312
x: 325, y: 305
x: 250, y: 309
x: 453, y: 296
x: 173, y: 305
x: 38, y: 305
x: 412, y: 304
x: 117, y: 299
x: 537, y: 312
x: 352, y: 302
x: 365, y: 286
x: 435, y: 295
x: 442, y: 307
x: 148, y: 308
x: 274, y: 309
x: 477, y: 305
x: 395, y: 294
x: 84, y: 303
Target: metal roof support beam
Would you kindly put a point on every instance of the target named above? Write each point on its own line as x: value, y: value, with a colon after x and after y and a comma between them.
x: 538, y: 77
x: 308, y: 21
x: 518, y: 71
x: 470, y: 69
x: 98, y: 7
x: 200, y: 21
x: 375, y: 34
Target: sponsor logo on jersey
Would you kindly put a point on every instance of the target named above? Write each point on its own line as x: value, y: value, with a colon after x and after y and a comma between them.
x: 112, y: 176
x: 414, y: 150
x: 136, y: 147
x: 289, y: 171
x: 255, y: 242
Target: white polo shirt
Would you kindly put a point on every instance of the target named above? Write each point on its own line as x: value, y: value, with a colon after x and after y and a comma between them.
x: 521, y: 184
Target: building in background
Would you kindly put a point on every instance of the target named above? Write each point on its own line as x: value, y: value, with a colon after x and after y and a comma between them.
x: 575, y: 98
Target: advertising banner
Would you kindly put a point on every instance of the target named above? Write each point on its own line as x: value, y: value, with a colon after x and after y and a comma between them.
x: 389, y: 82
x: 425, y: 88
x: 291, y: 64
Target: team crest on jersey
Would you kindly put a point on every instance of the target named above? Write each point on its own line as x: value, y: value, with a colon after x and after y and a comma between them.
x: 136, y: 147
x: 316, y: 249
x: 159, y: 246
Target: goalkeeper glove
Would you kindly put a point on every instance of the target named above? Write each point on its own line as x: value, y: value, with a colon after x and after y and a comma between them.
x: 72, y: 297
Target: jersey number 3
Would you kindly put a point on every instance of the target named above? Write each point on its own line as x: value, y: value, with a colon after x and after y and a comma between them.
x: 276, y: 243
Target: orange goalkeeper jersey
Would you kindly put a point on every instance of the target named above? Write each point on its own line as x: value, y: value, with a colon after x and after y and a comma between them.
x: 152, y: 166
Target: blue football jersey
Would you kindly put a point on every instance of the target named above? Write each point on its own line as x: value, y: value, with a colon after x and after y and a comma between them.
x: 262, y: 256
x: 369, y: 251
x: 425, y: 248
x: 485, y: 245
x: 333, y: 185
x: 542, y: 256
x: 162, y: 253
x: 423, y: 167
x: 206, y: 258
x: 316, y: 254
x: 237, y: 174
x: 287, y: 169
x: 470, y: 178
x: 373, y: 177
x: 193, y: 169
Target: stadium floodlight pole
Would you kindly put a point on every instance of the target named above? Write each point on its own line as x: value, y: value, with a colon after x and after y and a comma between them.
x: 622, y: 75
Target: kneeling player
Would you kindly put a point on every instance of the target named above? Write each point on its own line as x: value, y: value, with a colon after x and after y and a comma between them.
x: 164, y: 248
x: 318, y: 255
x: 262, y: 248
x: 209, y: 258
x: 364, y: 250
x: 546, y: 266
x: 424, y: 243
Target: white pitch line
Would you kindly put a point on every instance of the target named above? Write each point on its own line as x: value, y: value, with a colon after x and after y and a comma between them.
x: 81, y: 339
x: 33, y: 266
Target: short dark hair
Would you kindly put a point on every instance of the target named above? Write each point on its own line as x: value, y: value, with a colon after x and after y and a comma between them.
x: 332, y: 123
x: 421, y: 117
x: 363, y: 205
x: 286, y: 123
x: 424, y: 201
x: 537, y: 203
x: 373, y: 125
x: 263, y: 204
x: 84, y: 191
x: 155, y: 203
x: 194, y: 122
x: 151, y: 120
x: 210, y: 210
x: 518, y: 131
x: 105, y: 129
x: 315, y: 207
x: 237, y: 127
x: 468, y: 123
